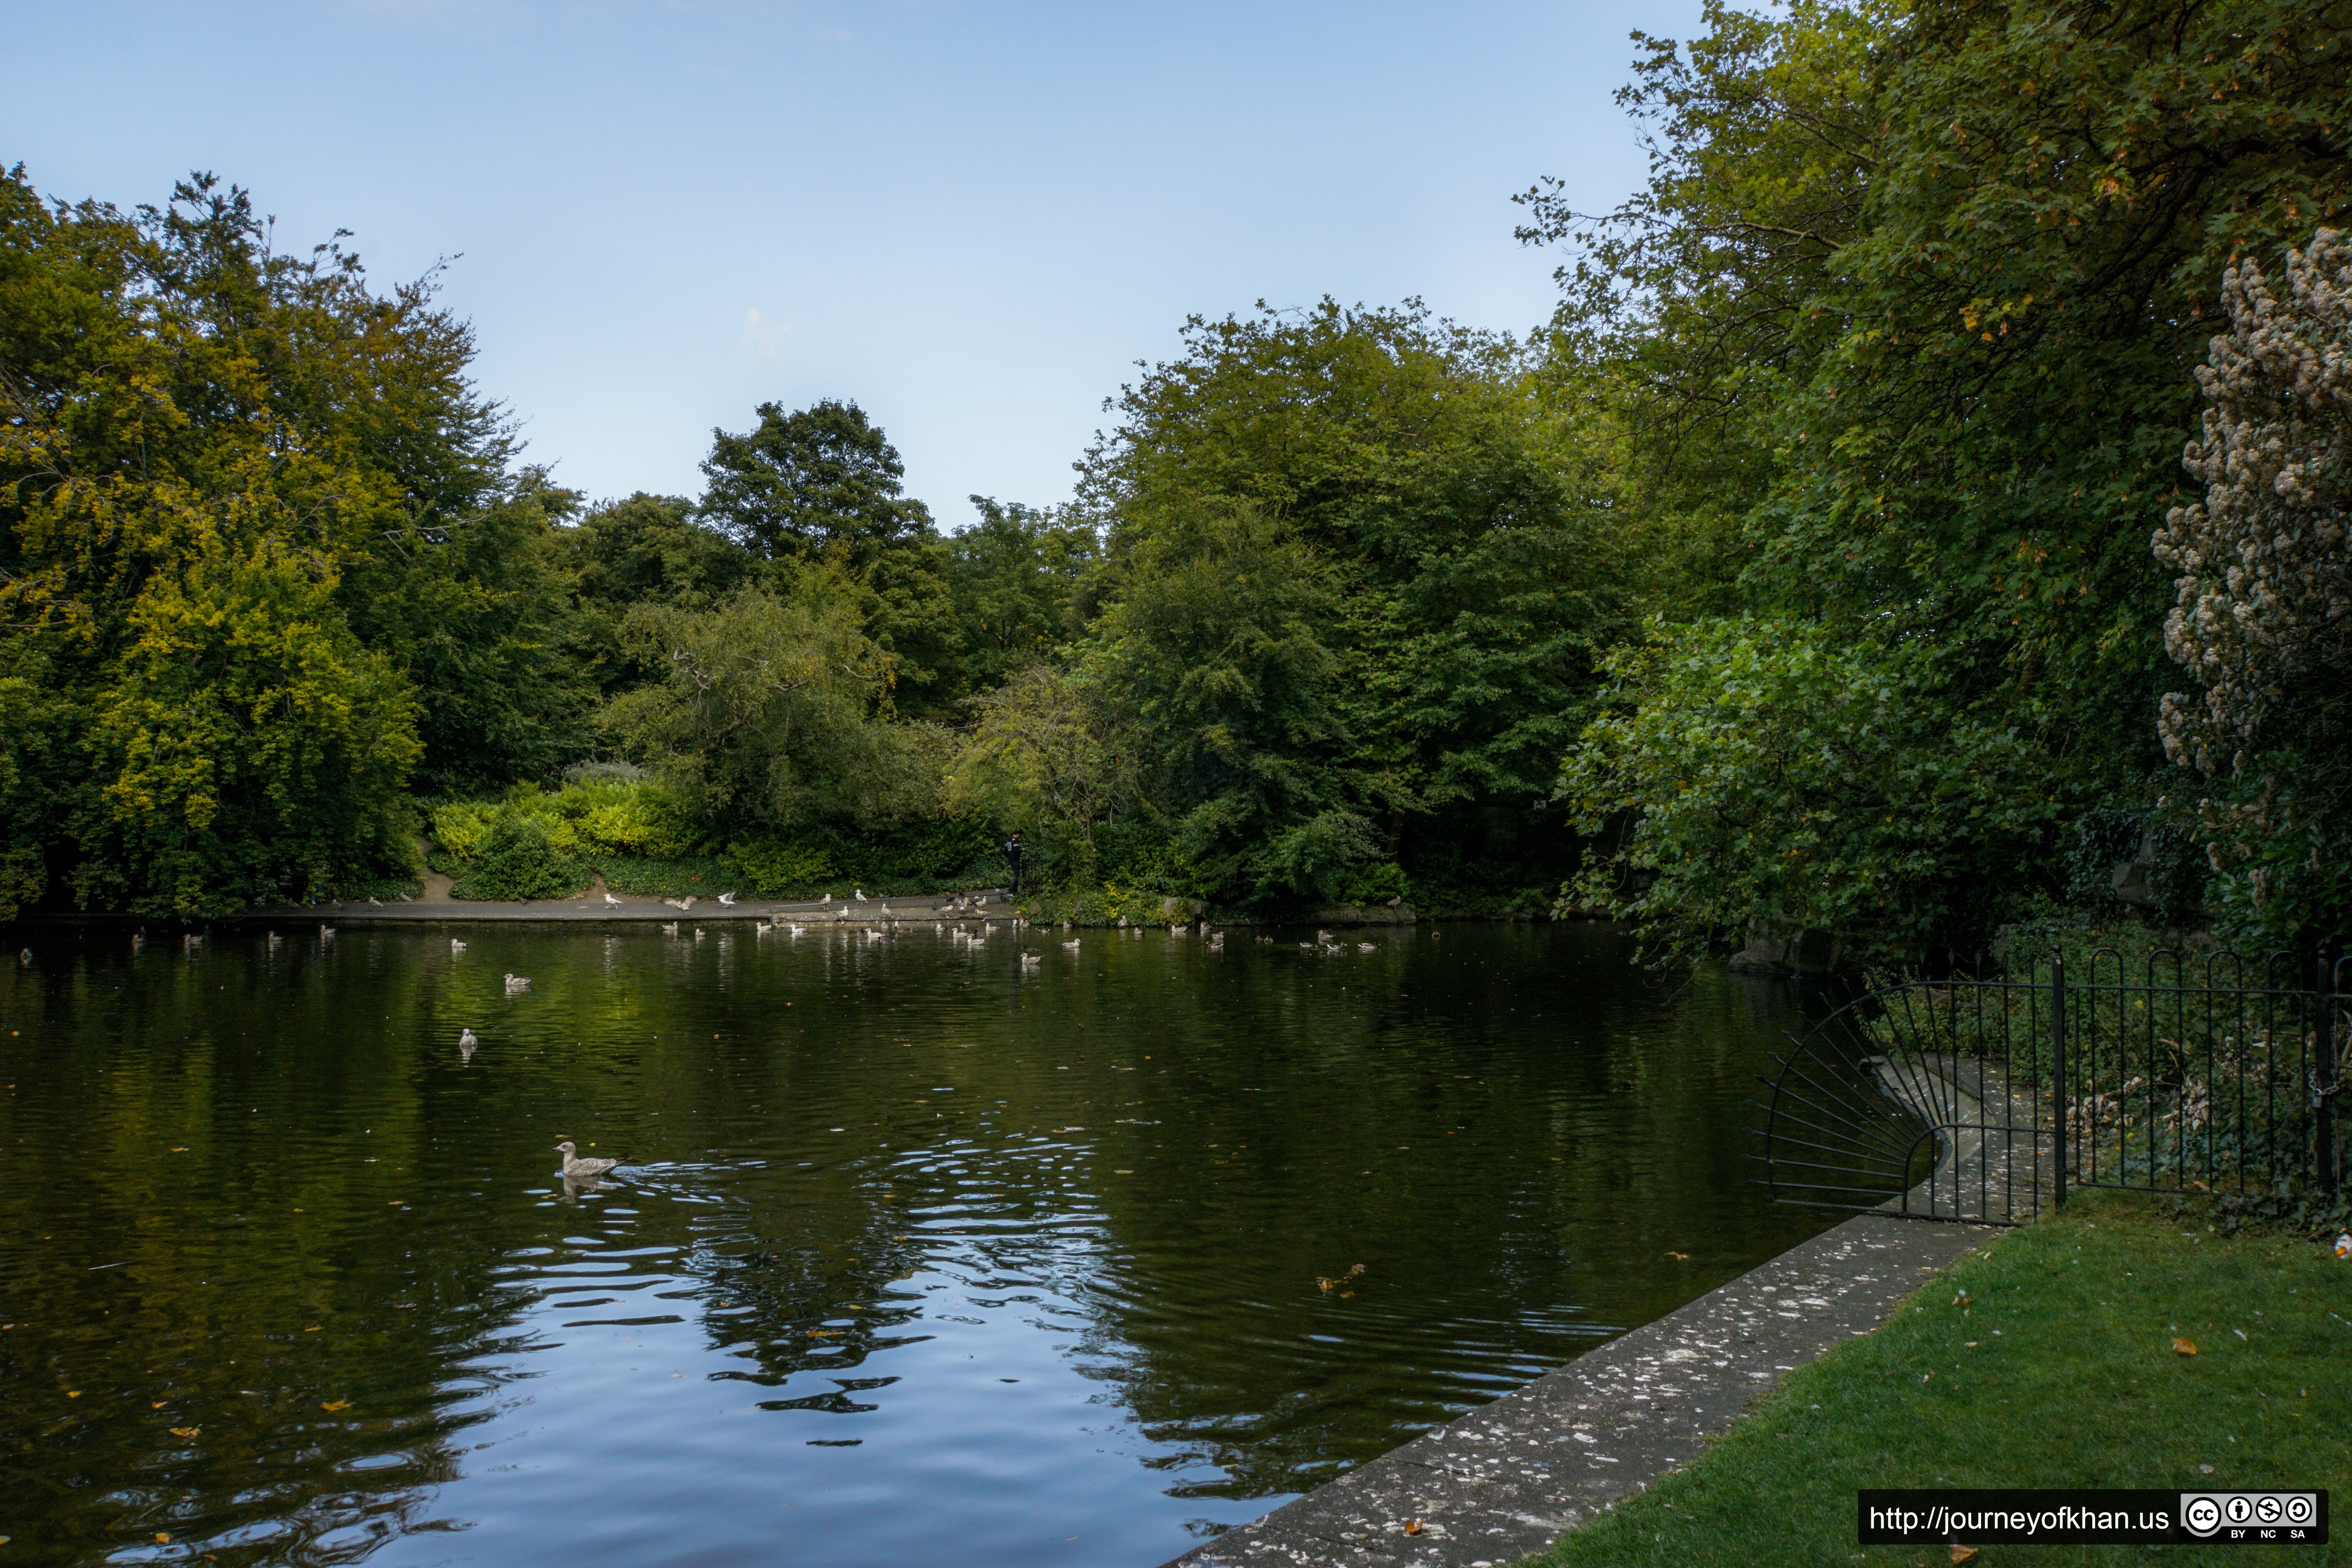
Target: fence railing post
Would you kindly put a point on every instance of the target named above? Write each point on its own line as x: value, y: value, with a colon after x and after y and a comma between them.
x: 2322, y: 1088
x: 2058, y: 1073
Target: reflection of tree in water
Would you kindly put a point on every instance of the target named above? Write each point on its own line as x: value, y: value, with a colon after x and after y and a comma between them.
x: 1228, y: 1318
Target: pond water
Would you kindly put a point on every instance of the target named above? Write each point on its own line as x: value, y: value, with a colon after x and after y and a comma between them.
x: 921, y: 1255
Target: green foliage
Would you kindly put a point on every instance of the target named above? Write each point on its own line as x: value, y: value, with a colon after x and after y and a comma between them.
x: 1050, y: 758
x: 517, y: 858
x: 820, y: 481
x: 1456, y: 511
x: 1790, y: 777
x: 1215, y: 655
x: 772, y: 711
x: 1905, y: 321
x: 1019, y: 579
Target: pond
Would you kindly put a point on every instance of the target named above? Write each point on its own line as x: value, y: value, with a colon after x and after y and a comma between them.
x: 922, y: 1254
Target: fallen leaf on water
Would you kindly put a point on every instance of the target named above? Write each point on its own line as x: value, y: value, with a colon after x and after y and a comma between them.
x: 162, y: 1539
x: 1962, y: 1553
x: 333, y: 1405
x: 2184, y: 1347
x: 1413, y: 1527
x: 73, y: 1394
x: 1685, y: 1256
x: 1356, y: 1268
x: 158, y: 1405
x: 312, y: 1328
x: 186, y: 1431
x: 179, y: 1151
x: 1323, y: 1285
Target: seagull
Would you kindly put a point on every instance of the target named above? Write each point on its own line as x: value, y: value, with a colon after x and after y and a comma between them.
x: 1071, y: 945
x: 326, y: 934
x: 885, y: 910
x: 698, y: 934
x: 1175, y: 930
x: 1306, y: 947
x: 274, y: 940
x: 861, y: 895
x: 670, y: 928
x: 576, y: 1169
x: 673, y: 903
x: 827, y: 899
x: 612, y: 900
x: 404, y: 898
x: 518, y: 982
x: 760, y: 928
x: 1322, y: 936
x: 727, y: 898
x: 375, y: 902
x: 1032, y: 960
x: 456, y: 945
x: 1365, y: 946
x: 467, y: 1044
x: 188, y: 944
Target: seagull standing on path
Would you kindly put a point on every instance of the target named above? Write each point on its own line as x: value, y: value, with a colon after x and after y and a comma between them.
x: 861, y: 894
x: 610, y: 899
x: 576, y: 1169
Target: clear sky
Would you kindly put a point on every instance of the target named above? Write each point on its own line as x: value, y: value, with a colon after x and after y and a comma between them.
x: 971, y: 218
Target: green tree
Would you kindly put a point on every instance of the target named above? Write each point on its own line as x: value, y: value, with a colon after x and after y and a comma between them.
x: 1460, y: 511
x: 1216, y: 653
x: 1921, y: 287
x: 775, y: 712
x: 650, y: 550
x: 1048, y: 757
x: 1019, y: 579
x: 821, y: 481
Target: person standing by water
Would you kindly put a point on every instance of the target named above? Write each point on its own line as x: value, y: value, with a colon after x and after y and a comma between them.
x: 1013, y: 858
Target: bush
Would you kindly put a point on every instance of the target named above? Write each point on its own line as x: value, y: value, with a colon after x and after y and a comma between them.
x: 517, y: 858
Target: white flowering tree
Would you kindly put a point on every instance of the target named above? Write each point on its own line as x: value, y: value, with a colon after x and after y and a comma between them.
x: 2263, y: 618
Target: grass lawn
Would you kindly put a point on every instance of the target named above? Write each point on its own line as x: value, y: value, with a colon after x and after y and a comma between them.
x: 2045, y: 1359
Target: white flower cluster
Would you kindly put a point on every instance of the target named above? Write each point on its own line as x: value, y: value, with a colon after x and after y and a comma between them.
x: 2264, y: 605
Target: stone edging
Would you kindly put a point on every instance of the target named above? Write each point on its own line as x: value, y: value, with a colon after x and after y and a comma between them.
x: 1507, y: 1480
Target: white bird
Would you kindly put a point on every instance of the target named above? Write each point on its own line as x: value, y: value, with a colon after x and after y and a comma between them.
x: 861, y: 895
x: 797, y: 931
x: 326, y: 934
x: 1306, y: 947
x: 827, y: 899
x: 1071, y: 945
x: 518, y: 982
x: 1322, y: 936
x: 698, y: 934
x: 467, y: 1044
x: 188, y: 944
x: 456, y: 945
x: 274, y: 940
x: 670, y: 928
x: 1216, y: 944
x: 885, y: 910
x: 375, y: 902
x: 404, y: 898
x: 1032, y: 960
x: 1365, y: 946
x: 612, y: 900
x: 576, y: 1169
x: 760, y: 928
x: 1175, y: 930
x: 727, y: 898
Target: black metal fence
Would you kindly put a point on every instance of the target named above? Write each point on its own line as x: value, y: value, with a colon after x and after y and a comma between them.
x: 1985, y: 1099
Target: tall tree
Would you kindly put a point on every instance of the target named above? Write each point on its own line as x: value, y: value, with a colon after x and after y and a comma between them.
x: 1932, y: 276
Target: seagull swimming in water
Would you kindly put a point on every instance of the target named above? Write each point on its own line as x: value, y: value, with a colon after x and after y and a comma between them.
x: 576, y: 1169
x: 457, y: 945
x: 518, y: 982
x: 670, y: 928
x: 467, y: 1044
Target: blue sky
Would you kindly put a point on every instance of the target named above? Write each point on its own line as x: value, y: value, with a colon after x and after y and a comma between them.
x: 971, y: 218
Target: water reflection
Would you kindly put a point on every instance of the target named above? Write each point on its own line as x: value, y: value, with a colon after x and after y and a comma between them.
x: 921, y: 1253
